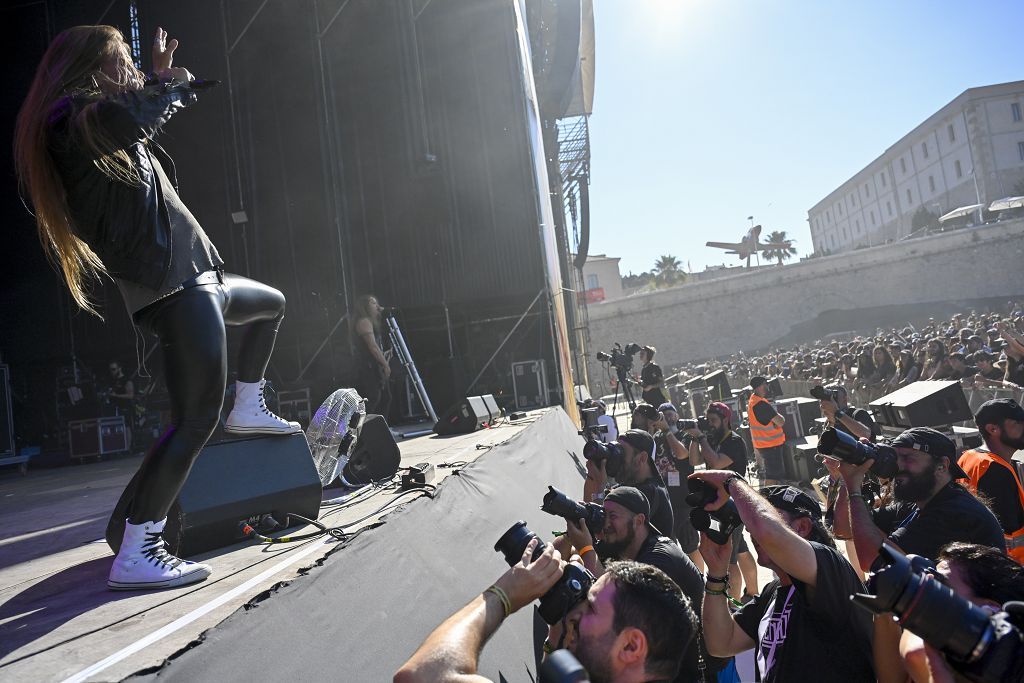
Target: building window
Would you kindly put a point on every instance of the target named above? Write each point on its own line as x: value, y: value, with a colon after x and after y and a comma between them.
x: 924, y: 149
x: 910, y: 198
x: 952, y: 133
x: 888, y: 207
x: 840, y: 209
x: 958, y: 168
x: 931, y: 184
x: 858, y: 227
x: 853, y: 198
x: 883, y: 179
x: 1020, y: 150
x: 872, y: 218
x: 1015, y: 110
x: 592, y: 281
x: 903, y: 166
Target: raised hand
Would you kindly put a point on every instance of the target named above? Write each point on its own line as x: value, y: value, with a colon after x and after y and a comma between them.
x: 163, y: 51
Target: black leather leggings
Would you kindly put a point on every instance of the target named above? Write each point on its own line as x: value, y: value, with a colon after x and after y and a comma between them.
x: 191, y: 327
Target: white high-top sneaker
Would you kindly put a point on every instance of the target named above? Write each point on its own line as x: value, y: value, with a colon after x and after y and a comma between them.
x: 250, y: 414
x: 143, y: 561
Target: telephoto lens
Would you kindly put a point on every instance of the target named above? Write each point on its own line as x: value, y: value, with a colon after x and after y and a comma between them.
x: 571, y: 588
x: 982, y: 647
x: 558, y: 504
x: 837, y: 444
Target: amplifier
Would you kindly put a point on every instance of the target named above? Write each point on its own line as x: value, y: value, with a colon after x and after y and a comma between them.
x: 718, y: 385
x: 923, y: 404
x: 800, y: 414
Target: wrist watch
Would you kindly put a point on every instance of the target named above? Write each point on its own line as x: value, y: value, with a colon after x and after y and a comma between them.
x: 840, y: 414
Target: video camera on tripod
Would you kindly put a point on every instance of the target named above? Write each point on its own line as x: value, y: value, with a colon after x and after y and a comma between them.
x: 589, y: 413
x: 622, y: 360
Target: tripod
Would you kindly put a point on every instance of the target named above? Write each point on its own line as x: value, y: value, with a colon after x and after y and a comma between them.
x: 402, y: 351
x: 627, y: 392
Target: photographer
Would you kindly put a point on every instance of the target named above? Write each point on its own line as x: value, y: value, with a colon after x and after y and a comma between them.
x: 835, y: 408
x: 628, y: 629
x: 651, y: 378
x: 991, y: 471
x: 629, y: 535
x: 723, y: 449
x: 766, y: 431
x: 639, y: 470
x: 803, y: 624
x: 644, y: 417
x: 936, y: 509
x: 675, y: 466
x: 607, y: 421
x: 983, y: 575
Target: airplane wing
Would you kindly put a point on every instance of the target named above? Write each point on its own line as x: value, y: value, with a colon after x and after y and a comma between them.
x: 724, y: 245
x: 773, y: 245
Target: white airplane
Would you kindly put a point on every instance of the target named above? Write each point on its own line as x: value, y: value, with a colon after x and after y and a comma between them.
x: 749, y: 245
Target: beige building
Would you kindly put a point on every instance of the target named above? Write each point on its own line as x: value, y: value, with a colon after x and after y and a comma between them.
x: 601, y: 278
x: 969, y: 152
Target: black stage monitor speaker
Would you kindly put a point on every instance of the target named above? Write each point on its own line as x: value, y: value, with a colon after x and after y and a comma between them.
x: 718, y: 385
x: 232, y: 482
x: 775, y: 388
x: 923, y: 404
x: 375, y: 455
x: 694, y: 383
x: 466, y: 416
x: 800, y: 413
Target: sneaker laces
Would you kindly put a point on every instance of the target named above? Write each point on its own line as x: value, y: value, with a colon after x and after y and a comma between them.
x: 155, y: 552
x: 263, y: 406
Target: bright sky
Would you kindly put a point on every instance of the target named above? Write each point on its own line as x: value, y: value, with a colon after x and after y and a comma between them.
x: 709, y: 111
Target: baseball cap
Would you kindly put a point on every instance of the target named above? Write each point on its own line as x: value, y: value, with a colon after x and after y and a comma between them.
x: 932, y: 442
x: 640, y: 440
x: 721, y: 410
x: 667, y: 406
x: 793, y: 500
x: 997, y: 410
x: 647, y: 410
x: 757, y: 381
x: 634, y: 500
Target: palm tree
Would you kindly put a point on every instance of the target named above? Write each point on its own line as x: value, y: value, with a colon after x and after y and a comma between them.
x: 668, y: 270
x: 782, y: 253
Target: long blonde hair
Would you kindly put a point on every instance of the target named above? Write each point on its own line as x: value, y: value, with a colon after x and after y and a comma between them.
x: 71, y: 66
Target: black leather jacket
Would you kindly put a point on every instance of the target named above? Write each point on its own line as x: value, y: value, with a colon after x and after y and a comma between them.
x: 126, y: 225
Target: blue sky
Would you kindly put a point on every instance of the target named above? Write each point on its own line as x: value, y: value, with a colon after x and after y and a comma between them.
x: 709, y: 111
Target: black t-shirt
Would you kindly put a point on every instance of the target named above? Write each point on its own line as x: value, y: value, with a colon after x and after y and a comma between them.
x: 1014, y: 370
x: 803, y: 632
x: 733, y: 446
x: 764, y: 412
x: 953, y: 514
x: 651, y: 374
x: 664, y: 553
x: 1000, y: 488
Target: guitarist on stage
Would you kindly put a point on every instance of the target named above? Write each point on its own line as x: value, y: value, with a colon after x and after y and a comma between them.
x: 372, y: 363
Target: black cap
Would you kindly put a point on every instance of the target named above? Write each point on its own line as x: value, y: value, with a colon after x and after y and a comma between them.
x: 997, y: 410
x: 934, y: 443
x: 634, y: 500
x: 757, y: 381
x: 647, y: 410
x: 793, y: 500
x: 640, y: 440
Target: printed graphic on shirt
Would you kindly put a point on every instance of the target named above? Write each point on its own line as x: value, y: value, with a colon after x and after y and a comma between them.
x: 772, y: 633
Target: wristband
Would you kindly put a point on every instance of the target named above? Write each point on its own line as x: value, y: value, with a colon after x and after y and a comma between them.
x: 716, y: 579
x: 506, y: 604
x: 708, y: 591
x: 586, y: 549
x: 855, y: 494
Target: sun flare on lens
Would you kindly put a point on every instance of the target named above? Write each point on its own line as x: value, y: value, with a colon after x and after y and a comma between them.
x: 665, y: 18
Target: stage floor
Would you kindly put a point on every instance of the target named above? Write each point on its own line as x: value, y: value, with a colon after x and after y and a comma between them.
x: 58, y: 621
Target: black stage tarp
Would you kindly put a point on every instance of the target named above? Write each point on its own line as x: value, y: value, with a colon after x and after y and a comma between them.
x: 359, y: 615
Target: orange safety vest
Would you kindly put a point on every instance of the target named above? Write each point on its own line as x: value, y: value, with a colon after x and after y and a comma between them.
x: 763, y: 435
x: 975, y: 463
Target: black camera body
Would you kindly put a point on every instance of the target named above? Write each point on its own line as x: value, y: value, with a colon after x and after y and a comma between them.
x: 612, y: 454
x: 718, y: 524
x: 571, y: 588
x: 619, y: 357
x: 591, y: 428
x: 838, y: 444
x: 558, y: 504
x: 982, y: 647
x: 822, y: 394
x: 700, y: 423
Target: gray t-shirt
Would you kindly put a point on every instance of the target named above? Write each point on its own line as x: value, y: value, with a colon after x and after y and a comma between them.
x: 192, y: 252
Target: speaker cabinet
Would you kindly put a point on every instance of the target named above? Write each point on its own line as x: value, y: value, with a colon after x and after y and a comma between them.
x: 718, y: 386
x: 800, y: 414
x: 468, y: 415
x: 923, y: 404
x: 231, y: 483
x: 375, y: 455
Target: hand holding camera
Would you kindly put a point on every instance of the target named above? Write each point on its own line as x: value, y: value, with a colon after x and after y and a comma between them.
x: 713, y: 513
x: 532, y: 576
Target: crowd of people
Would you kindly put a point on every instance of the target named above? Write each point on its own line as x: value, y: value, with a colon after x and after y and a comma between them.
x: 981, y: 349
x: 702, y: 604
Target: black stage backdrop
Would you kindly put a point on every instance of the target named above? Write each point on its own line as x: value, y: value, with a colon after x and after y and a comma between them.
x: 361, y: 614
x: 354, y: 146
